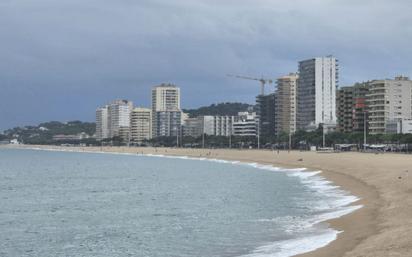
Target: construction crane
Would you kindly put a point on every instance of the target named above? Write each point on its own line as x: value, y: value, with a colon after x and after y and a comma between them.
x: 262, y: 81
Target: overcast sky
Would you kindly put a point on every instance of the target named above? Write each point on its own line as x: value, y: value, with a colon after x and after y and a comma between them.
x: 59, y: 60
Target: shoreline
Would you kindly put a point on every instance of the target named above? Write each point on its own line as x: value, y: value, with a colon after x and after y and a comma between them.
x: 360, y: 228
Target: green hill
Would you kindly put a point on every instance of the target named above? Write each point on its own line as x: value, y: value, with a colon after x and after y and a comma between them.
x: 230, y: 109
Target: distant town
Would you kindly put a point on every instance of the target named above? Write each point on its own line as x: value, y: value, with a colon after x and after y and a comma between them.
x: 306, y: 109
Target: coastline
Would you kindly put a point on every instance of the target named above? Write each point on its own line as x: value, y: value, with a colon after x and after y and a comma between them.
x: 381, y: 181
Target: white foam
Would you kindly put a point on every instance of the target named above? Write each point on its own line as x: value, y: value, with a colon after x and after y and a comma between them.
x: 293, y: 247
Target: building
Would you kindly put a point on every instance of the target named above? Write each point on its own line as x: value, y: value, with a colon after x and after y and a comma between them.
x: 209, y: 125
x: 316, y: 92
x: 218, y: 125
x: 119, y: 112
x: 352, y: 108
x: 345, y: 104
x: 360, y: 107
x: 245, y: 124
x: 167, y: 123
x: 67, y: 138
x: 405, y: 126
x: 193, y: 127
x: 141, y: 125
x: 402, y: 126
x: 113, y: 120
x: 102, y: 123
x: 389, y: 101
x: 166, y: 110
x: 265, y: 110
x: 285, y: 118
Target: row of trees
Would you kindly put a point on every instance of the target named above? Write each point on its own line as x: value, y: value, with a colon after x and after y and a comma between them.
x: 299, y: 140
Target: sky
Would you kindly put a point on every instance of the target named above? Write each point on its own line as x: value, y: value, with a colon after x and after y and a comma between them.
x: 60, y: 60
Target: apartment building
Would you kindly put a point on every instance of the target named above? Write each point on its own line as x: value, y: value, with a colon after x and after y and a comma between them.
x: 389, y: 101
x: 245, y: 124
x: 119, y: 119
x: 265, y: 110
x: 140, y: 125
x: 166, y: 110
x: 102, y: 126
x: 209, y: 125
x: 285, y: 110
x: 113, y: 120
x: 316, y: 92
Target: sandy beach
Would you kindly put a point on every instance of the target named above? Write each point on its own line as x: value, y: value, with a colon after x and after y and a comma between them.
x: 382, y: 228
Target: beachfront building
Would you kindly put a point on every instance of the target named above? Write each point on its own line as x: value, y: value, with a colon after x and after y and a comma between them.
x: 316, y: 92
x: 246, y: 124
x: 140, y: 125
x: 265, y: 111
x: 360, y: 107
x: 389, y: 101
x: 119, y: 119
x: 113, y: 120
x: 285, y: 118
x: 167, y: 115
x: 209, y: 125
x: 218, y: 125
x: 402, y: 126
x: 352, y: 108
x: 193, y: 127
x: 70, y: 138
x: 168, y: 123
x: 344, y: 107
x: 102, y: 126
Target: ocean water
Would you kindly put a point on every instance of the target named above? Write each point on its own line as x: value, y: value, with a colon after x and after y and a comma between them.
x: 93, y: 204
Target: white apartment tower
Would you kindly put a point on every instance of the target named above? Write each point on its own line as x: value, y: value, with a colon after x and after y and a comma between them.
x: 316, y: 92
x: 141, y: 124
x: 389, y: 101
x: 166, y: 113
x: 119, y: 119
x: 165, y: 97
x: 102, y: 123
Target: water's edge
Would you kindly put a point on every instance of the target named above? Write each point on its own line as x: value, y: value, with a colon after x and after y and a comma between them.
x: 311, y: 179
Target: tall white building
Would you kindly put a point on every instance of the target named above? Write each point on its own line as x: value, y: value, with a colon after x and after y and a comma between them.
x: 141, y: 124
x: 165, y: 97
x: 119, y: 119
x: 166, y: 113
x: 316, y: 92
x: 102, y: 123
x: 389, y: 101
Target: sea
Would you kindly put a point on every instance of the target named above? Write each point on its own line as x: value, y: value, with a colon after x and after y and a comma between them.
x: 60, y: 203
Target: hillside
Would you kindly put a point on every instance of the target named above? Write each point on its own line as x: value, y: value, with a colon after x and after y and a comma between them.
x: 44, y: 132
x: 219, y: 109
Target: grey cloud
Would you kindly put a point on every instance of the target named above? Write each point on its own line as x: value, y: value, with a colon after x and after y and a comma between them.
x: 96, y: 50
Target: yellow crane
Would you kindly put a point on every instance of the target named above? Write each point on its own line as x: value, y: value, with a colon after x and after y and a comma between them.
x: 262, y: 81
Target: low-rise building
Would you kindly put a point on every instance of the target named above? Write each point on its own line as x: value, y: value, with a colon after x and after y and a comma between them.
x: 403, y: 126
x: 245, y: 124
x: 76, y: 137
x: 209, y: 125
